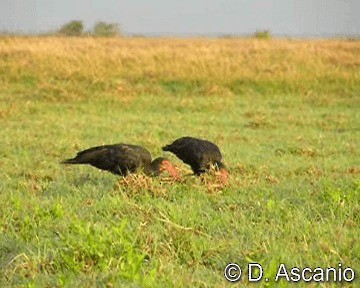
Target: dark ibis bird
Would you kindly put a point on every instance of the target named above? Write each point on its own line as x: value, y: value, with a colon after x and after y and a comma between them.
x: 122, y: 159
x: 200, y: 154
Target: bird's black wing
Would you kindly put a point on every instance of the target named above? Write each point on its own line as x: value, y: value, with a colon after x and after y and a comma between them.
x: 132, y: 157
x: 118, y: 159
x: 197, y: 153
x: 187, y: 149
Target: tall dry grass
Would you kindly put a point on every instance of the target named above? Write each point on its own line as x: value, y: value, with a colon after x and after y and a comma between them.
x: 118, y: 65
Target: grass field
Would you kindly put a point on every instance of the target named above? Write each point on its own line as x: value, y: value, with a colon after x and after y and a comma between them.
x: 284, y: 112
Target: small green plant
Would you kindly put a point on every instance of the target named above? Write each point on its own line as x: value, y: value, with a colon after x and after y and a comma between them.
x: 72, y: 28
x: 102, y: 29
x: 262, y: 34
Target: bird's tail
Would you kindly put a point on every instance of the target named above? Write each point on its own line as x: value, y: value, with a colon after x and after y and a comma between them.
x: 70, y: 161
x: 166, y: 148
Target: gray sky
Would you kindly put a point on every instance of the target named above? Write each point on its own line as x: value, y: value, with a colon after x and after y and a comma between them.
x: 188, y: 17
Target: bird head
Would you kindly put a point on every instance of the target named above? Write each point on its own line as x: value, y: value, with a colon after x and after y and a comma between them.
x: 162, y: 164
x: 223, y: 173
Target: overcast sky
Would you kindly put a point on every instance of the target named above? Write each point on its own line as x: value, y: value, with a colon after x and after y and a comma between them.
x: 188, y: 17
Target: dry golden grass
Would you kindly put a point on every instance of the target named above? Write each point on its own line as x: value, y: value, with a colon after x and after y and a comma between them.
x: 121, y: 65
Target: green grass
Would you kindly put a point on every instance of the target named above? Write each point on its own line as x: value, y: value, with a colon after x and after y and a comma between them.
x: 290, y: 140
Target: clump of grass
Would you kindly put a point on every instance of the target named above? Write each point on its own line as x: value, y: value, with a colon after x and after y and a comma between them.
x: 212, y: 181
x: 134, y: 184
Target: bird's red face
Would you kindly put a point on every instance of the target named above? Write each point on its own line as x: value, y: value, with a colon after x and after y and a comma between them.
x: 167, y: 166
x: 224, y: 176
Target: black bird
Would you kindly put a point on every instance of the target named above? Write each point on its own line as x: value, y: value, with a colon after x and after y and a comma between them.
x: 122, y: 159
x: 199, y: 154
